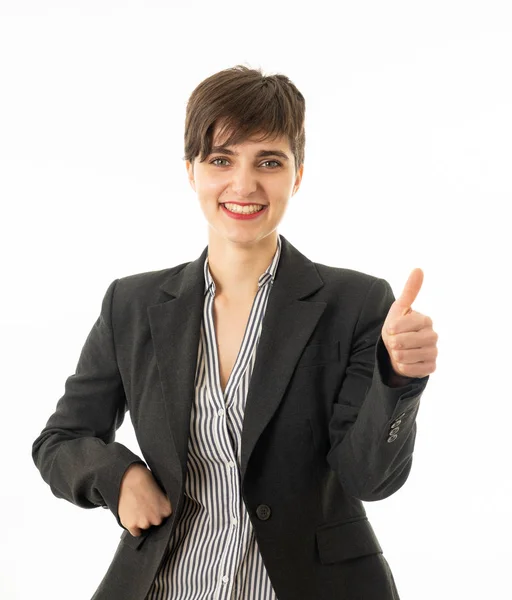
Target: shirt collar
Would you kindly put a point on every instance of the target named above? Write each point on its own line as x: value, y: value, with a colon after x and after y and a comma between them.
x: 268, y: 275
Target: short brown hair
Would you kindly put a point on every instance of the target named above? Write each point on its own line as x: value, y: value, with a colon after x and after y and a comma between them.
x: 247, y: 102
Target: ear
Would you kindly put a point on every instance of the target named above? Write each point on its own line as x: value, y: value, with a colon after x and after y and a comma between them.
x: 298, y: 179
x: 190, y: 174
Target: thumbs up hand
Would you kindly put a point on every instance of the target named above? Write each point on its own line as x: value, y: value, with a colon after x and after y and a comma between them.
x: 408, y: 335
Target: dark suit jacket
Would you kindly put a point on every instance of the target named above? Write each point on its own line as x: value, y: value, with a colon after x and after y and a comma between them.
x: 316, y: 435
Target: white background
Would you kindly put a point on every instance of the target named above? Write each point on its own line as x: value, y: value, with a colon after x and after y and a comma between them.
x: 408, y: 153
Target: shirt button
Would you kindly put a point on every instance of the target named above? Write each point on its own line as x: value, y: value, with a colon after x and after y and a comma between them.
x: 220, y: 413
x: 231, y: 464
x: 225, y: 579
x: 234, y: 522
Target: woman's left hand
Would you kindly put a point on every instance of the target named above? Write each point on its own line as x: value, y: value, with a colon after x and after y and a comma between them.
x: 408, y: 335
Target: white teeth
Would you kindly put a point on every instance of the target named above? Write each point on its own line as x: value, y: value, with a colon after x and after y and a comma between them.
x: 246, y: 210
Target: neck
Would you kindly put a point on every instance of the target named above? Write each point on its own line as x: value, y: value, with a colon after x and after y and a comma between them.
x: 237, y: 267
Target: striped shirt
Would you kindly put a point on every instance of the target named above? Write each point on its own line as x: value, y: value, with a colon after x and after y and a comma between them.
x: 213, y: 553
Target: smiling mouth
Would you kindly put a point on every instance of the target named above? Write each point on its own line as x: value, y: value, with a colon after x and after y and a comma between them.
x: 238, y: 204
x: 242, y: 208
x: 243, y: 214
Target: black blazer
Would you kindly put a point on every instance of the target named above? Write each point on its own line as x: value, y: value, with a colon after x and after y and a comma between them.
x: 316, y: 435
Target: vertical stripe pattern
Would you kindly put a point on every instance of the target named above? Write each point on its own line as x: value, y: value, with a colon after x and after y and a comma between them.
x: 213, y: 553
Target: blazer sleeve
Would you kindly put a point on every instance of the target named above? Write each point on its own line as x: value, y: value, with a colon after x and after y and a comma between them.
x: 372, y: 461
x: 76, y: 453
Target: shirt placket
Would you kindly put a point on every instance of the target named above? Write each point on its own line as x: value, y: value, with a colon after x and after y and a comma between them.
x: 226, y: 451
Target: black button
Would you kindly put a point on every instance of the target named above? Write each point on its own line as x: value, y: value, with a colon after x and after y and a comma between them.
x: 263, y: 511
x: 395, y: 430
x: 396, y: 423
x: 392, y: 438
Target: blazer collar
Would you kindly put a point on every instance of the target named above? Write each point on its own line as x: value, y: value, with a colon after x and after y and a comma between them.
x: 296, y: 276
x: 287, y: 326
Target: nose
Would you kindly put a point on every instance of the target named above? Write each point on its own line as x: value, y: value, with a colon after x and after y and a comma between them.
x: 243, y: 182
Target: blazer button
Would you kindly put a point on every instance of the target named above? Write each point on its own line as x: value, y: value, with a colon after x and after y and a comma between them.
x: 396, y: 423
x: 395, y: 430
x: 392, y: 438
x: 263, y: 511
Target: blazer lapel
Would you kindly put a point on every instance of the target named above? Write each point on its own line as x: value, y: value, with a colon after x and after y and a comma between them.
x: 287, y: 326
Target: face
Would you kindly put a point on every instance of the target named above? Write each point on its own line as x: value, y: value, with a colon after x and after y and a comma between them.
x: 249, y: 173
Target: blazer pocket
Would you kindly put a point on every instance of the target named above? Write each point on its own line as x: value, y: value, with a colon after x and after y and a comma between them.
x: 319, y: 354
x: 343, y: 541
x: 155, y: 532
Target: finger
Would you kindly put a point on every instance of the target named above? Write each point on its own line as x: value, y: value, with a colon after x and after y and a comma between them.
x: 413, y: 339
x: 421, y: 369
x: 161, y: 521
x: 416, y: 355
x: 414, y: 322
x: 411, y: 290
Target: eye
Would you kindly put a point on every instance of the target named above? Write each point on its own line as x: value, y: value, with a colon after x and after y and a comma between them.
x: 214, y: 161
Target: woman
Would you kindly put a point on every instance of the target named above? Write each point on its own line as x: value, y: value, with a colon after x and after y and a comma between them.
x: 268, y: 396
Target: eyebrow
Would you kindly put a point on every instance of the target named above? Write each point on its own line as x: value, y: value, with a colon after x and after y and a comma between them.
x: 261, y: 153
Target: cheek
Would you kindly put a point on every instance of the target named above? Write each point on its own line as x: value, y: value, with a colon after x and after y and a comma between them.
x: 208, y: 195
x: 279, y: 201
x: 211, y: 188
x: 280, y: 188
x: 207, y: 181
